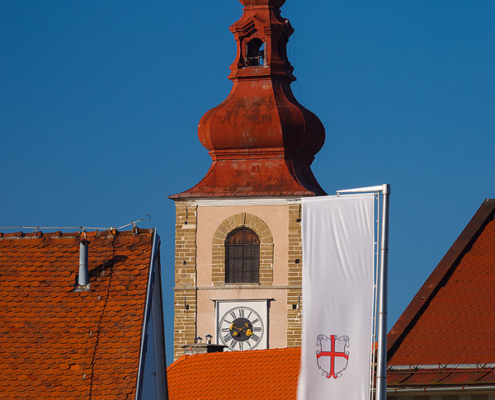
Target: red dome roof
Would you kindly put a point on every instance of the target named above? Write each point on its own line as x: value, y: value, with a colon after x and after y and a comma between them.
x: 262, y: 115
x: 261, y: 140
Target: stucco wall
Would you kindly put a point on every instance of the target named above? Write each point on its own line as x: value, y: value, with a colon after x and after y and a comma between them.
x: 209, y: 219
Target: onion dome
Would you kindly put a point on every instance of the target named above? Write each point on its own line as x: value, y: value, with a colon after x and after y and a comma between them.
x: 261, y: 140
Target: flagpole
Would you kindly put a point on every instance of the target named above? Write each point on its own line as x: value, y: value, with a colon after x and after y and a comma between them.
x: 381, y: 368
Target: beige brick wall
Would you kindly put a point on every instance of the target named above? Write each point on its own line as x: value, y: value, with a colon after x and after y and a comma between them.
x: 185, y: 296
x: 294, y: 298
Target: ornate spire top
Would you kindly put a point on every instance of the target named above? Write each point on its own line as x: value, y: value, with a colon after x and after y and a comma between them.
x: 261, y: 140
x: 257, y: 3
x: 261, y: 35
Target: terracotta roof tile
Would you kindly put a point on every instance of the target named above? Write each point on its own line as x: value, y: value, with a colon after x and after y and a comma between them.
x: 242, y: 374
x: 452, y: 318
x: 58, y: 343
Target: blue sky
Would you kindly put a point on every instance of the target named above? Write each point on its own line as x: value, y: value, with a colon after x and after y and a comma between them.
x: 100, y: 102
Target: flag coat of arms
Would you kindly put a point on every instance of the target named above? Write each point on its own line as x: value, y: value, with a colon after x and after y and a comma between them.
x: 338, y: 265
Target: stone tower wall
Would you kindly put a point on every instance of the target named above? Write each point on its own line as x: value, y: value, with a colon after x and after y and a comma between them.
x: 294, y: 298
x: 185, y: 295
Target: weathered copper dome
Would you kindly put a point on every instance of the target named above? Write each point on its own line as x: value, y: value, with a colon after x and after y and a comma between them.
x: 261, y: 140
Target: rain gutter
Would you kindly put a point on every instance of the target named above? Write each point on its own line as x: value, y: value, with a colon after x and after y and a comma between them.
x: 450, y: 389
x: 439, y: 367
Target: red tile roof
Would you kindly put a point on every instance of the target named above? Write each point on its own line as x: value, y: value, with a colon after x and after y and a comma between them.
x: 259, y: 177
x: 58, y: 343
x: 441, y: 376
x: 452, y: 318
x: 267, y: 374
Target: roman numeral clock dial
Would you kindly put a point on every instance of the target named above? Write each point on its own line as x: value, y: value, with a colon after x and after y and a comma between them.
x: 241, y: 328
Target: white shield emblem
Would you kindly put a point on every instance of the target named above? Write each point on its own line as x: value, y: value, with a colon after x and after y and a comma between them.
x: 332, y: 357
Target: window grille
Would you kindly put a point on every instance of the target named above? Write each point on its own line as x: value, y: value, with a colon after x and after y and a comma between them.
x: 242, y: 256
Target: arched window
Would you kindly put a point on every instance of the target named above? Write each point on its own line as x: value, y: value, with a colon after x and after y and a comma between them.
x: 255, y: 53
x: 242, y: 256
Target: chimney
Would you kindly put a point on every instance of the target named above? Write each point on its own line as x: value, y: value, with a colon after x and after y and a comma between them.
x: 200, y: 348
x: 83, y: 278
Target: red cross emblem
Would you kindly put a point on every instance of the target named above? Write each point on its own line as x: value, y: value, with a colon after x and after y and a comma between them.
x: 332, y: 357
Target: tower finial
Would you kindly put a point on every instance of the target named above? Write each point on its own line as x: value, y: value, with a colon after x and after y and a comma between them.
x: 271, y: 3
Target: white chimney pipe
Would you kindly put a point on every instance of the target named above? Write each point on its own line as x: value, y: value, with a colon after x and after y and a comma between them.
x: 83, y: 278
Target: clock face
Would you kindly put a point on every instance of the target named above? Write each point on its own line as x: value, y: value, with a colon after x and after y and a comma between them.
x: 241, y: 328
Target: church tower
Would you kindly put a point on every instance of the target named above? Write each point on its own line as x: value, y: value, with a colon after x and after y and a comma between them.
x: 238, y: 254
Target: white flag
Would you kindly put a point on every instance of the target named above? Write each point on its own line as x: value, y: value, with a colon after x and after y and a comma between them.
x: 338, y: 254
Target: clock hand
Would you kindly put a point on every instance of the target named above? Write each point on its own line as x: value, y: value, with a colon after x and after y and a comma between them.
x: 244, y: 327
x: 249, y: 332
x: 239, y: 330
x: 232, y: 327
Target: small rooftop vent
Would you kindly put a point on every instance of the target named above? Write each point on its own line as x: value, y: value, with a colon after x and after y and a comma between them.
x: 83, y: 277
